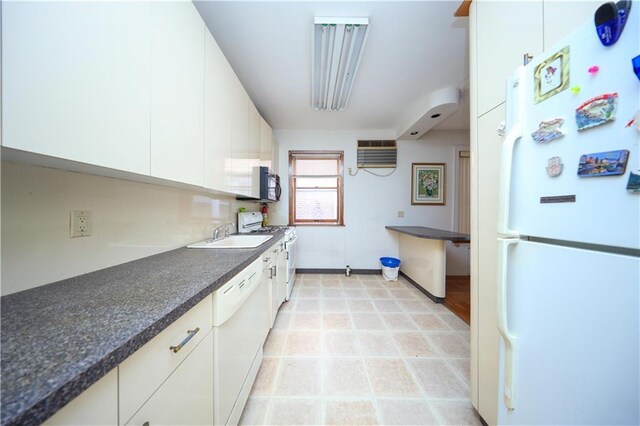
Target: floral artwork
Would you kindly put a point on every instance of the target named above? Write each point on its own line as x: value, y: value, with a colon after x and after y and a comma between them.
x: 551, y: 76
x: 428, y: 184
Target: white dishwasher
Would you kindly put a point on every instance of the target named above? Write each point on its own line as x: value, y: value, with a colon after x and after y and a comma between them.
x: 240, y: 326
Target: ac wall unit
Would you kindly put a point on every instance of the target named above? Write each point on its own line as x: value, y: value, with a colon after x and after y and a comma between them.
x: 377, y: 154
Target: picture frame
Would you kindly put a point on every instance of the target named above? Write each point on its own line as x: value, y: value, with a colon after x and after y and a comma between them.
x: 428, y: 184
x: 551, y: 76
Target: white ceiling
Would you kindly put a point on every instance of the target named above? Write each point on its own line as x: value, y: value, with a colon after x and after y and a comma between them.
x: 414, y: 49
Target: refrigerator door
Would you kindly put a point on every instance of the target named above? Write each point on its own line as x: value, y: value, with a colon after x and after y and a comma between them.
x: 603, y: 212
x: 572, y: 318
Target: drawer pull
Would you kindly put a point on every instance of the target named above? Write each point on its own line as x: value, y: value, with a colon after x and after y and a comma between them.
x: 228, y: 290
x: 275, y: 271
x: 192, y: 333
x: 275, y: 250
x: 241, y: 284
x: 266, y: 259
x: 252, y: 275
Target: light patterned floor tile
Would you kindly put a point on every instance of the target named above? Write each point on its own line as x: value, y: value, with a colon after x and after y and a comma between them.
x: 361, y: 350
x: 350, y: 412
x: 295, y: 412
x: 406, y: 412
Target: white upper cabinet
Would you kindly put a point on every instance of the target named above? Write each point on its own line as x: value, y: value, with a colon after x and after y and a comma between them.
x: 505, y: 32
x: 177, y: 92
x: 266, y: 144
x: 75, y: 81
x: 217, y: 117
x: 254, y: 149
x: 240, y: 170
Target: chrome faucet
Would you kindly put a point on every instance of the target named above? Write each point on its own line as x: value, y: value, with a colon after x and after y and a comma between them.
x: 226, y: 229
x: 216, y: 232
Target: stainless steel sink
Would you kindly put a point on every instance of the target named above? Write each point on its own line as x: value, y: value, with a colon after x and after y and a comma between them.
x: 234, y: 241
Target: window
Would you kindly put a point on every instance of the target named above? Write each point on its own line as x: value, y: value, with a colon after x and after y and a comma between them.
x: 315, y: 188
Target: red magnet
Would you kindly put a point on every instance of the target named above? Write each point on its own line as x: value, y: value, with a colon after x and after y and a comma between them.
x: 594, y: 69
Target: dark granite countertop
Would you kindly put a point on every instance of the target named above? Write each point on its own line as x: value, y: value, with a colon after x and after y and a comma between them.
x: 60, y: 338
x: 431, y: 233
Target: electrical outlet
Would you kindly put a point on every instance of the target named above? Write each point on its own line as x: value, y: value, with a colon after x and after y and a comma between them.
x: 400, y: 213
x: 80, y: 223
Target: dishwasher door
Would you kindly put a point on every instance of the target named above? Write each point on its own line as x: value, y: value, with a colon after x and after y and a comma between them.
x: 236, y: 349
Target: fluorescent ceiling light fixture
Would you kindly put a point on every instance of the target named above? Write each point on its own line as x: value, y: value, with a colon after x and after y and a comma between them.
x: 337, y: 49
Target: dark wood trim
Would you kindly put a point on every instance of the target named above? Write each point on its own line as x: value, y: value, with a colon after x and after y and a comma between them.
x: 422, y: 289
x: 463, y: 9
x: 317, y: 155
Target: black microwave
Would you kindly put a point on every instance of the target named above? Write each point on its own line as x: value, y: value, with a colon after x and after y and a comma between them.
x: 269, y: 185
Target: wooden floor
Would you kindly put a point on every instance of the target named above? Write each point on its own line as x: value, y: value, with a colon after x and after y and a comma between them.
x: 458, y: 297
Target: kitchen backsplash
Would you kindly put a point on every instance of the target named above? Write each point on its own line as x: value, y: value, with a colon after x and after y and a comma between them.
x: 130, y: 220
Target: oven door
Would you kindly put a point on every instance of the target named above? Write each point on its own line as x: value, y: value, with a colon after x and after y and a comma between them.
x: 291, y: 265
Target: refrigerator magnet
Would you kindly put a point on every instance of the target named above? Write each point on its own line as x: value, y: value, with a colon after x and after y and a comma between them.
x: 633, y: 185
x: 551, y: 76
x: 597, y: 111
x: 554, y: 167
x: 611, y: 163
x: 635, y: 121
x: 548, y: 130
x: 635, y: 63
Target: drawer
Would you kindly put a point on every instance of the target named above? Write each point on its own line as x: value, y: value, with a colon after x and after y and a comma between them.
x: 144, y: 371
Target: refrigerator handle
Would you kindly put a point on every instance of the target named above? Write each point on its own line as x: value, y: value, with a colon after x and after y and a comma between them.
x: 503, y: 326
x: 514, y: 121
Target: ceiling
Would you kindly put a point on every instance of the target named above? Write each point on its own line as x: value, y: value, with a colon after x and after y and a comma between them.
x: 413, y: 49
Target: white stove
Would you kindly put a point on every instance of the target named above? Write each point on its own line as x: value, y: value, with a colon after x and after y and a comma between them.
x: 251, y: 222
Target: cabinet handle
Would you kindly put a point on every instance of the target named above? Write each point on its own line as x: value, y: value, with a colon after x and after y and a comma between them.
x: 270, y: 273
x: 252, y: 275
x: 145, y: 424
x: 275, y: 271
x: 192, y: 333
x: 266, y: 259
x: 275, y: 250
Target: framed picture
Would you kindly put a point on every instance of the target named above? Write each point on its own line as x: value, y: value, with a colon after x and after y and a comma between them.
x: 551, y: 76
x: 428, y: 184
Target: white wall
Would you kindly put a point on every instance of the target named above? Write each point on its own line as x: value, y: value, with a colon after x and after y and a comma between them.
x: 130, y: 220
x: 370, y: 202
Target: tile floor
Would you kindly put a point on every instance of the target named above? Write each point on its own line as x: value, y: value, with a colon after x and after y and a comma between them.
x: 361, y: 350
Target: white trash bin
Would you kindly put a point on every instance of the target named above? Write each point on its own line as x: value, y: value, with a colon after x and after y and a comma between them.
x: 390, y: 268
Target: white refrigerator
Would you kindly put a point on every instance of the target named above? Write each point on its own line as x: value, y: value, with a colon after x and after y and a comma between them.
x: 569, y: 242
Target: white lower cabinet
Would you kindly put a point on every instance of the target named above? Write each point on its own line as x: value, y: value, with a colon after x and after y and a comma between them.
x: 144, y: 371
x: 186, y: 397
x: 97, y: 405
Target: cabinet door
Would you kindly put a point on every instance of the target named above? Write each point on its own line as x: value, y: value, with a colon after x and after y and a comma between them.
x: 186, y: 397
x: 148, y: 367
x: 217, y: 121
x: 239, y: 105
x: 505, y: 32
x: 98, y: 405
x: 266, y: 144
x: 177, y: 92
x: 75, y: 81
x: 254, y: 149
x: 487, y: 152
